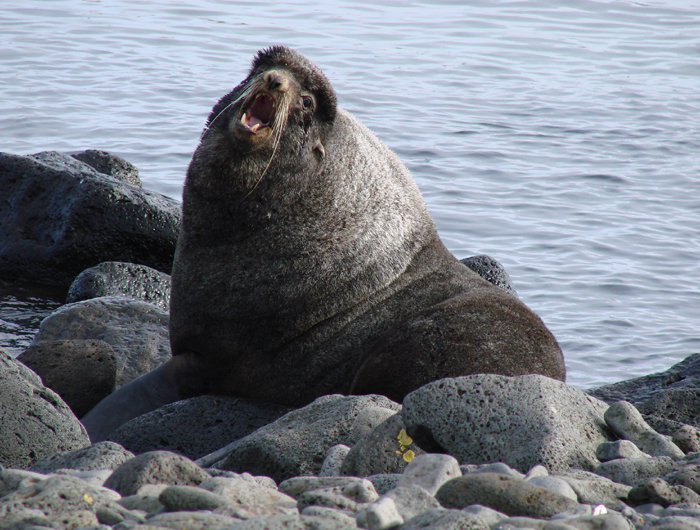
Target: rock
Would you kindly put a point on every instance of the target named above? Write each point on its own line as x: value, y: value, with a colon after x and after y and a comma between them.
x: 687, y: 438
x: 618, y: 449
x: 295, y: 522
x: 594, y: 489
x: 329, y: 498
x: 60, y: 498
x: 60, y: 216
x: 496, y: 467
x: 197, y: 426
x: 384, y: 482
x: 635, y: 471
x: 442, y: 519
x: 116, y: 278
x: 109, y: 164
x: 491, y: 270
x: 336, y: 516
x: 385, y: 449
x: 13, y: 479
x: 82, y: 372
x: 136, y: 331
x: 681, y: 405
x: 684, y: 375
x: 520, y: 421
x: 367, y: 420
x: 157, y: 467
x: 102, y: 455
x: 189, y: 498
x: 297, y: 443
x: 661, y: 492
x: 94, y: 477
x: 334, y: 461
x: 380, y: 515
x: 686, y: 473
x: 606, y: 521
x: 626, y: 422
x: 506, y: 494
x: 555, y: 484
x: 190, y: 520
x: 430, y: 472
x: 35, y: 421
x: 296, y: 486
x: 536, y: 471
x: 247, y: 498
x: 411, y: 500
x: 362, y: 490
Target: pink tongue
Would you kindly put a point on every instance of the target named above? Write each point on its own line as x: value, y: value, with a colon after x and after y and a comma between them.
x: 252, y: 121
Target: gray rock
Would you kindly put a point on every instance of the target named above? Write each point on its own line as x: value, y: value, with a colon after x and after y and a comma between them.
x: 681, y: 405
x: 522, y: 522
x: 296, y: 522
x: 367, y: 420
x: 491, y: 270
x: 626, y: 422
x: 102, y: 455
x: 36, y: 422
x: 362, y: 490
x: 686, y: 473
x: 607, y: 521
x: 190, y: 498
x: 116, y: 278
x: 157, y: 467
x: 661, y: 492
x: 385, y: 449
x: 57, y: 496
x: 443, y: 519
x: 13, y: 479
x: 555, y: 484
x: 380, y: 515
x: 245, y: 491
x: 297, y: 443
x: 509, y: 495
x: 197, y: 426
x: 190, y: 520
x: 329, y: 498
x: 496, y: 467
x: 109, y: 164
x: 334, y: 461
x: 635, y: 471
x: 536, y: 471
x: 95, y: 477
x: 60, y: 216
x: 336, y: 516
x: 687, y: 438
x: 618, y: 449
x: 594, y: 489
x: 684, y: 375
x: 136, y: 331
x: 384, y: 482
x: 411, y: 500
x: 296, y: 486
x: 521, y: 421
x: 430, y: 472
x: 82, y: 372
x: 676, y: 523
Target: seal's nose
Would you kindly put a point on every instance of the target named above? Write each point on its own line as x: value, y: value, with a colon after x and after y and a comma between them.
x: 275, y: 80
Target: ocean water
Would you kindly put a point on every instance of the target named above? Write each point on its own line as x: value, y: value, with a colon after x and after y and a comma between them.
x: 560, y: 137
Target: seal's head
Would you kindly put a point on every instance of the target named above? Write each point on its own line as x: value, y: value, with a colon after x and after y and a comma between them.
x: 278, y: 112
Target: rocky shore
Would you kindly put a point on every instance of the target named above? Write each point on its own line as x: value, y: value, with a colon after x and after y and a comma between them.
x: 478, y: 452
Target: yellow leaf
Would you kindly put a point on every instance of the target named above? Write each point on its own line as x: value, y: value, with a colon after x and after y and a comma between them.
x: 87, y: 498
x: 403, y: 438
x: 409, y: 455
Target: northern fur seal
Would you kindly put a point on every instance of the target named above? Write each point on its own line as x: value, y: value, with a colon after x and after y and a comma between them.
x: 308, y: 264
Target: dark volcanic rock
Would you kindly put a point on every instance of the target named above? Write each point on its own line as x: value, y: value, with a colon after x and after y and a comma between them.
x: 60, y: 216
x: 115, y: 278
x: 82, y: 372
x: 35, y: 421
x: 109, y: 164
x: 491, y: 270
x: 196, y: 427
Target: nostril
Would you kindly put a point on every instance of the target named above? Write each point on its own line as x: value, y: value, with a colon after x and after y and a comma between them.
x: 273, y: 80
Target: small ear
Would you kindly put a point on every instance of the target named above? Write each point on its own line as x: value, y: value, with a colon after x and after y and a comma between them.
x: 318, y: 146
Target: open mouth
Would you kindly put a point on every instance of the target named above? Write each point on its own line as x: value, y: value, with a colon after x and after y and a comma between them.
x: 259, y: 114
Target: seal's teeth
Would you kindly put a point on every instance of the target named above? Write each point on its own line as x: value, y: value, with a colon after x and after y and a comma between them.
x: 244, y: 118
x: 255, y: 127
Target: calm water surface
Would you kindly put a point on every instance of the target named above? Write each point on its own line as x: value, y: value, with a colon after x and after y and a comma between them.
x: 560, y: 137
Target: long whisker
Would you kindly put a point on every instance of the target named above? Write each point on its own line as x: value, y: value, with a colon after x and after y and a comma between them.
x: 246, y: 92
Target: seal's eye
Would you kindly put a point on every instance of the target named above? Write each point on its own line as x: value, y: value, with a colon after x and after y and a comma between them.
x: 307, y: 102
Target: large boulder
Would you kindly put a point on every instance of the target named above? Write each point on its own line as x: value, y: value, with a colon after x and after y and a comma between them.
x: 297, y: 443
x: 82, y: 372
x: 197, y: 426
x: 136, y: 331
x: 35, y: 420
x: 520, y: 421
x: 59, y: 216
x: 115, y: 278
